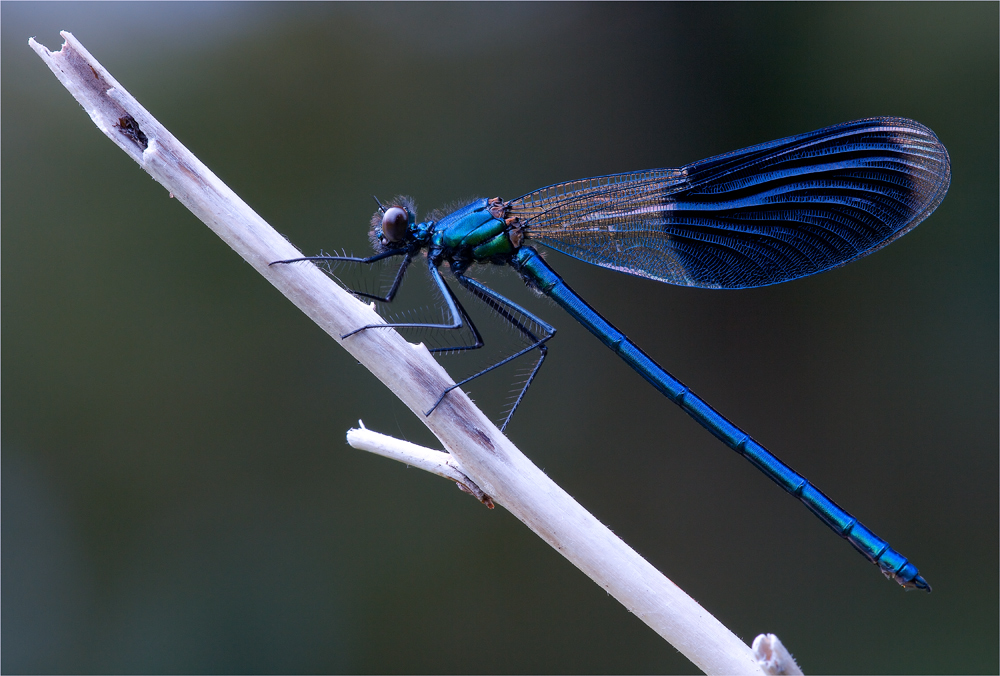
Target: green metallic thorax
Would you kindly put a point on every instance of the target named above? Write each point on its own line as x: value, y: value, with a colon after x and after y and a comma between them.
x: 473, y: 231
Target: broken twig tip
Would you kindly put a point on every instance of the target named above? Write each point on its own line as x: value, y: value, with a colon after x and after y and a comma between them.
x: 773, y: 657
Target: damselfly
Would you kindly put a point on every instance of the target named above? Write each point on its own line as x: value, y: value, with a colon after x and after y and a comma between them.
x: 766, y: 214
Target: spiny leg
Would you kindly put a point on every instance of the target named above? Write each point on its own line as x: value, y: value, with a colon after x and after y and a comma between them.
x: 458, y: 321
x: 466, y: 321
x: 457, y: 314
x: 506, y: 309
x: 387, y: 298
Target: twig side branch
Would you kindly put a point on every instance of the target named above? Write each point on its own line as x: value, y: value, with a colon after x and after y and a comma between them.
x: 485, y: 456
x: 435, y: 462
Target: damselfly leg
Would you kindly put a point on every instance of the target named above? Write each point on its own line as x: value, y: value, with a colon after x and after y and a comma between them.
x: 505, y: 309
x: 397, y: 281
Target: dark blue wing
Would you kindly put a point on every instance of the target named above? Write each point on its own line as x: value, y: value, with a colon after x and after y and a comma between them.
x: 757, y: 216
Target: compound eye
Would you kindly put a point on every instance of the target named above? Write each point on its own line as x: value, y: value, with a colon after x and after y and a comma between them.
x: 395, y: 223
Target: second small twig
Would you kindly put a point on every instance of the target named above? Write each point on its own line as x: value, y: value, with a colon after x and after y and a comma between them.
x: 435, y: 462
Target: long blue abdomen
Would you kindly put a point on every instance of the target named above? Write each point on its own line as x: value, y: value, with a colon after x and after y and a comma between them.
x: 893, y: 564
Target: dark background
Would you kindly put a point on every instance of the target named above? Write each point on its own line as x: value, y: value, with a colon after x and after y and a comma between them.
x: 177, y: 492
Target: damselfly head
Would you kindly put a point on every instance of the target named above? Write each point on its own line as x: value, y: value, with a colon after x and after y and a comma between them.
x: 392, y: 222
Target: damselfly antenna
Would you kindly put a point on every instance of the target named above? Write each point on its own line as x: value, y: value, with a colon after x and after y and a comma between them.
x: 380, y: 207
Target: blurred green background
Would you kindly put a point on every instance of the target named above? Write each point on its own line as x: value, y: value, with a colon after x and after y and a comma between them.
x: 177, y: 492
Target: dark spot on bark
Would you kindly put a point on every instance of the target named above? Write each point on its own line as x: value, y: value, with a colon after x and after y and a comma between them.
x: 130, y: 128
x: 484, y: 439
x: 432, y: 386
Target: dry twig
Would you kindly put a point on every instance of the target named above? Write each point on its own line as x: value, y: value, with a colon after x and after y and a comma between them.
x: 484, y: 457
